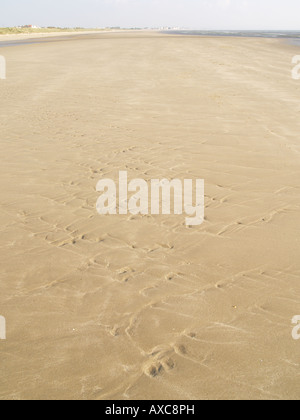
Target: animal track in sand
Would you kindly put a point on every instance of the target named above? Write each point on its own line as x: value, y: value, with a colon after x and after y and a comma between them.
x: 125, y: 270
x: 154, y: 369
x: 114, y: 331
x: 170, y: 276
x: 166, y: 246
x: 175, y: 276
x: 161, y: 247
x: 160, y: 361
x: 180, y: 349
x: 123, y: 275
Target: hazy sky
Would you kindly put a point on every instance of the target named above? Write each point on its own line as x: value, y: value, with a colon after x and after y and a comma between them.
x: 197, y: 14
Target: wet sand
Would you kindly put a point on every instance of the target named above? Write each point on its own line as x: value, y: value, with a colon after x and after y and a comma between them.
x: 142, y: 307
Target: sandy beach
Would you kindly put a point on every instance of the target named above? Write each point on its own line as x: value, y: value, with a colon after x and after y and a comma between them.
x: 143, y: 307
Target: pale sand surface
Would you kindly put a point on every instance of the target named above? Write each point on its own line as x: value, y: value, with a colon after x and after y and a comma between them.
x: 96, y: 305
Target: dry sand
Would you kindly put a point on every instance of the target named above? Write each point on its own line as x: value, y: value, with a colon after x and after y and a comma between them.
x: 129, y: 307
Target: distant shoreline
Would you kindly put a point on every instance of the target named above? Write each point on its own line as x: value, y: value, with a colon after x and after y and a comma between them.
x: 49, y: 30
x: 290, y: 37
x: 8, y: 38
x: 239, y: 34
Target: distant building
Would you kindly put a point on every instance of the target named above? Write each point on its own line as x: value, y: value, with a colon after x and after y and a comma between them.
x: 31, y: 27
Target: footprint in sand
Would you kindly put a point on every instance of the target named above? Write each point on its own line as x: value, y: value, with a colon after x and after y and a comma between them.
x: 157, y: 367
x: 180, y: 349
x: 160, y: 361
